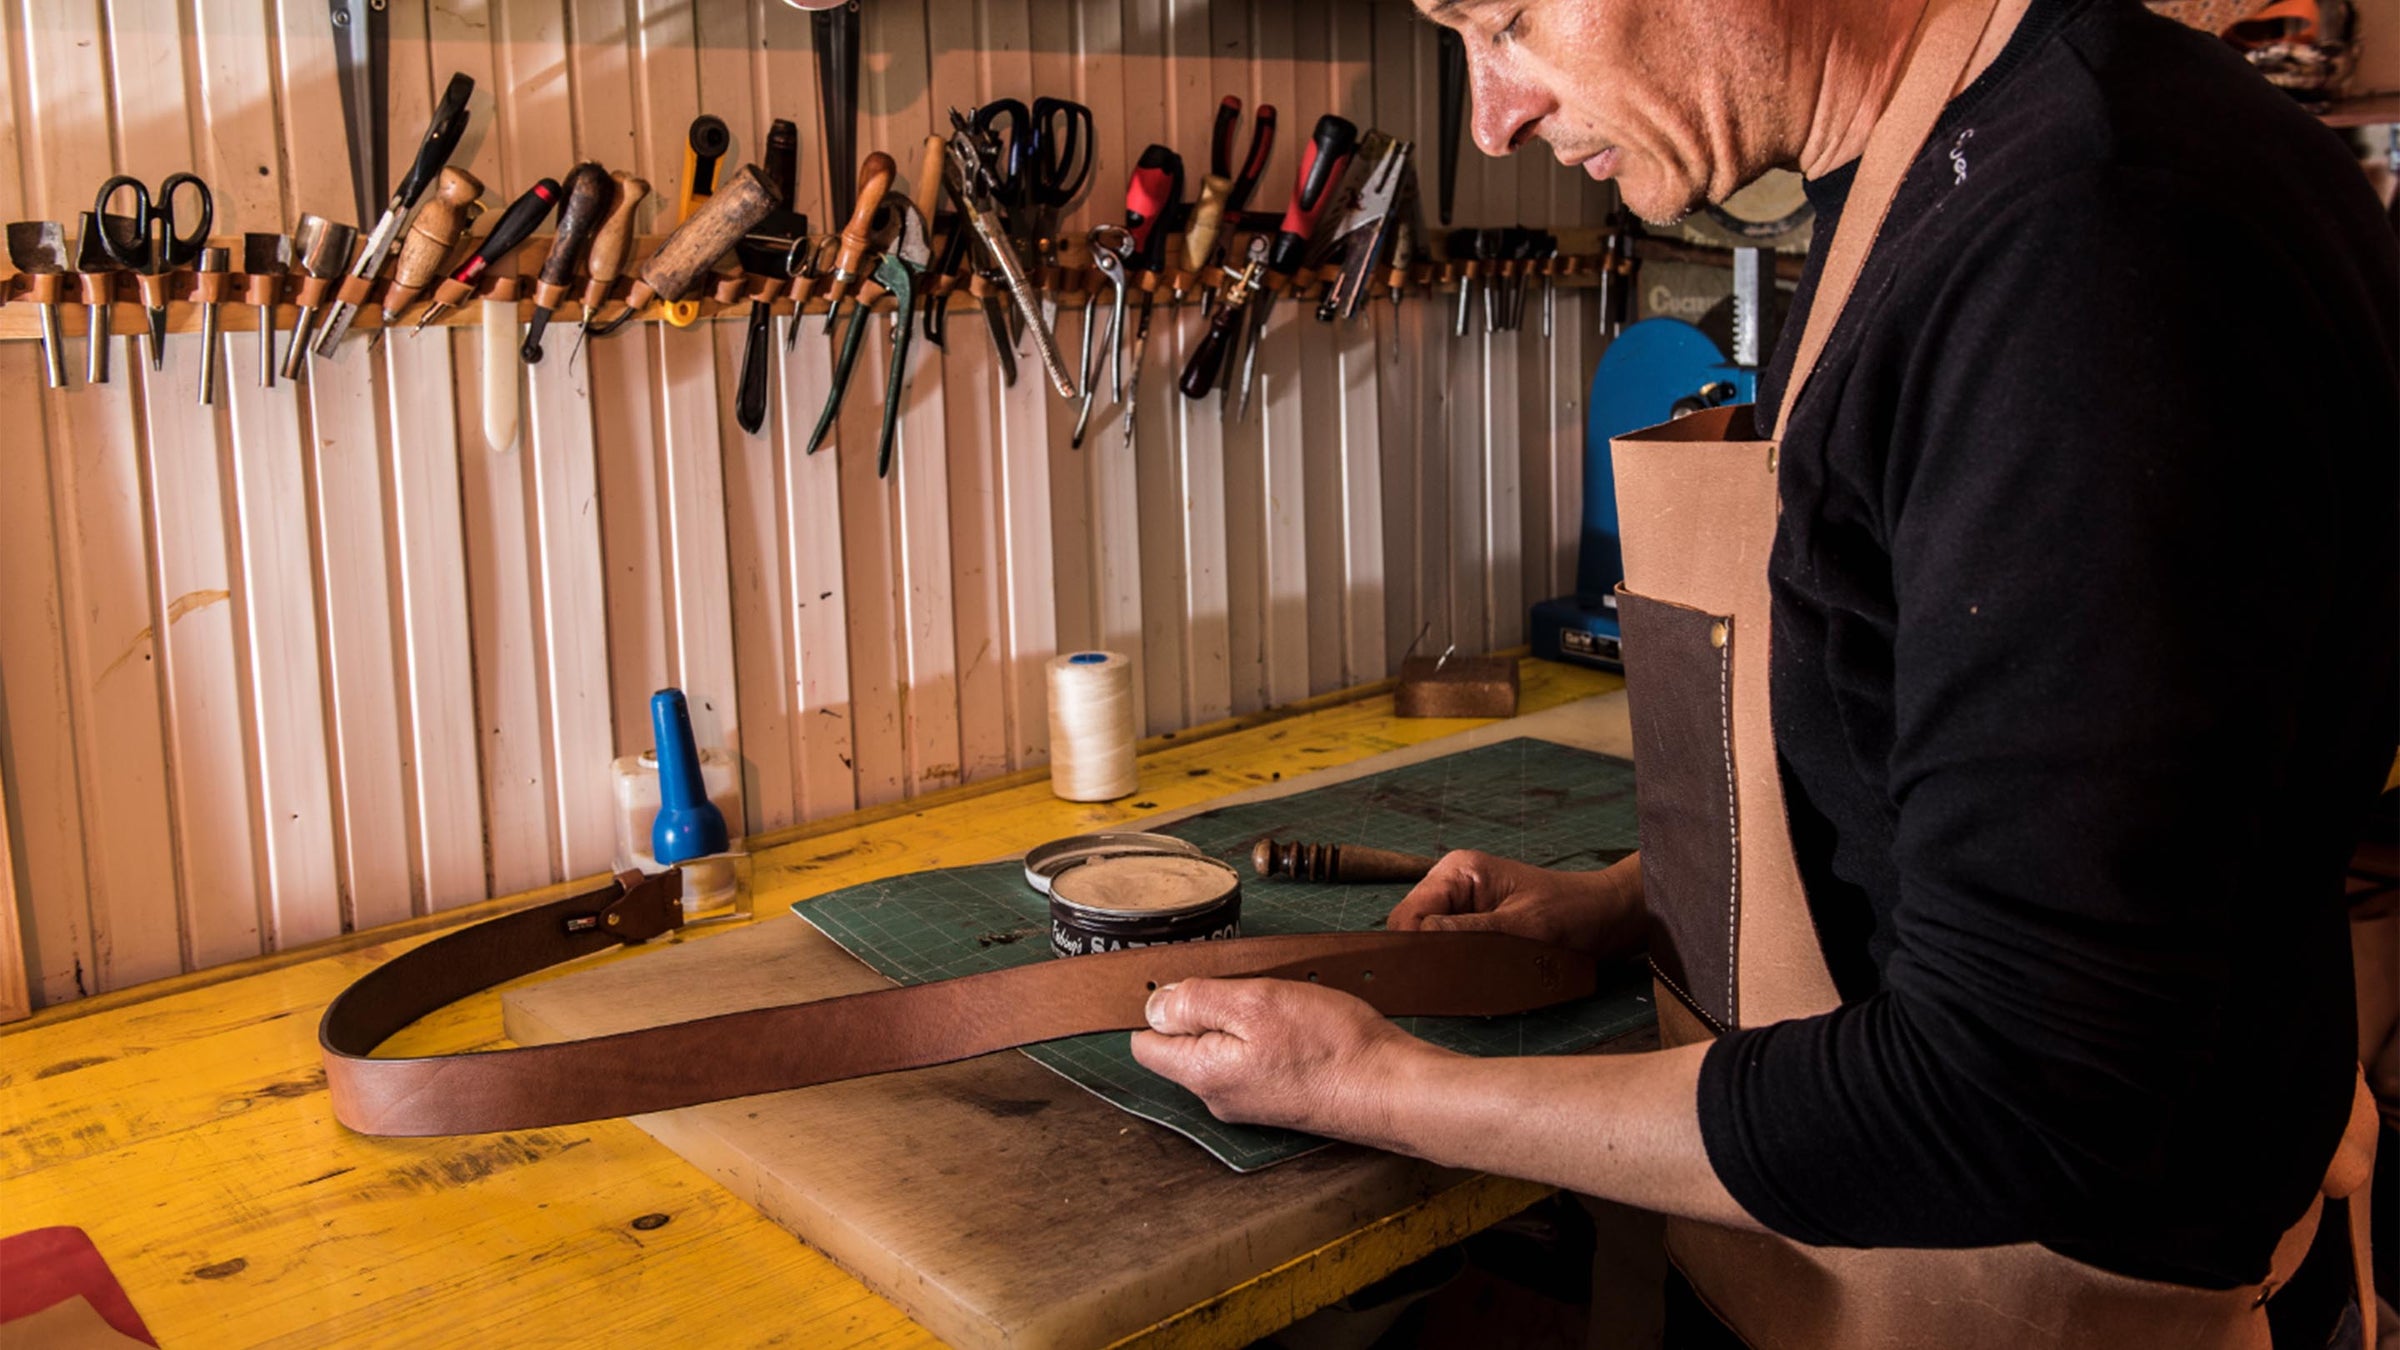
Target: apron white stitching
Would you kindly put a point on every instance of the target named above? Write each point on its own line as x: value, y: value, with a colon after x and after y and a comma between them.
x: 1733, y: 821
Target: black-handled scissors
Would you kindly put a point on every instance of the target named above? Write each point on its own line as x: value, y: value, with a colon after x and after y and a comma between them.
x: 146, y: 241
x: 1060, y: 157
x: 155, y: 245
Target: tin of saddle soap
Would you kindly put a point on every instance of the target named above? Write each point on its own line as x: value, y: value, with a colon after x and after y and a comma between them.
x: 1109, y: 904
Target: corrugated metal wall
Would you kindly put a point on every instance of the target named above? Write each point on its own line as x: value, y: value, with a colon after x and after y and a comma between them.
x: 320, y: 659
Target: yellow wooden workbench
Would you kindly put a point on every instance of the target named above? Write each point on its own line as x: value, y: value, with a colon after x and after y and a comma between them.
x: 184, y: 1125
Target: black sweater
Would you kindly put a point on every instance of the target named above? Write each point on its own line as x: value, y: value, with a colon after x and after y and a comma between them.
x: 2084, y: 671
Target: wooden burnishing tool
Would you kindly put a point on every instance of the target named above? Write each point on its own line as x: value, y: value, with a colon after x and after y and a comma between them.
x: 1337, y: 864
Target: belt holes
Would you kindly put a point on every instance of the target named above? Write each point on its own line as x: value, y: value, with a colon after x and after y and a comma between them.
x: 1312, y: 977
x: 1151, y: 986
x: 1368, y: 978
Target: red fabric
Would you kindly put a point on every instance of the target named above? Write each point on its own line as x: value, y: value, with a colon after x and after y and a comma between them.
x: 44, y: 1266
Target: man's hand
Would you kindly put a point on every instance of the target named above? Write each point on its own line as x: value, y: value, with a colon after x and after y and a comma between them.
x: 1596, y: 912
x: 1279, y: 1052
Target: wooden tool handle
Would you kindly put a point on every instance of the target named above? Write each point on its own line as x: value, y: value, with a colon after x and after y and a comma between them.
x: 874, y: 179
x: 613, y: 240
x: 1338, y: 864
x: 697, y: 243
x: 1200, y: 233
x: 929, y: 174
x: 587, y: 197
x: 436, y: 228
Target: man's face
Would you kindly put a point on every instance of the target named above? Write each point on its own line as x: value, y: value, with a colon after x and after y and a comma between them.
x: 1660, y: 95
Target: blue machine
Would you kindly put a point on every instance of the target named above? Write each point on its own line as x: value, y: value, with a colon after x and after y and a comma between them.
x: 1655, y: 370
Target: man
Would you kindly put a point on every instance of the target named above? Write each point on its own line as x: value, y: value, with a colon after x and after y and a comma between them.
x: 2083, y: 671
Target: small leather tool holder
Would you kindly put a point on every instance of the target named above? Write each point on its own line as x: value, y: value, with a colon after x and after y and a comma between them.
x: 797, y: 1045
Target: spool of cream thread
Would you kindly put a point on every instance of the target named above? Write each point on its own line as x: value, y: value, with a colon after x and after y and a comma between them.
x: 1091, y: 726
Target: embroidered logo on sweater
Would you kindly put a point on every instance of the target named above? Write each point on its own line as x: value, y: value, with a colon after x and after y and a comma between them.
x: 1958, y: 157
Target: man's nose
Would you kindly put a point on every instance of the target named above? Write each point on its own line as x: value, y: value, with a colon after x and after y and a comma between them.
x: 1507, y: 105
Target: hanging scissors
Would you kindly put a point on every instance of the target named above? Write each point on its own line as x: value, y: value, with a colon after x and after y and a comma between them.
x: 146, y: 242
x: 1058, y: 160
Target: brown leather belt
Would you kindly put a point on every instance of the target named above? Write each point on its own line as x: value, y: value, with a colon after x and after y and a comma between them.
x: 802, y: 1044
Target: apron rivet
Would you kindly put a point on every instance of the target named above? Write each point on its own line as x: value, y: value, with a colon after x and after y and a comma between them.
x: 1774, y: 457
x: 1717, y: 634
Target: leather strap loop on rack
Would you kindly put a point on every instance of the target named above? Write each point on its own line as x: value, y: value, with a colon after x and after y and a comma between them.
x: 802, y: 1044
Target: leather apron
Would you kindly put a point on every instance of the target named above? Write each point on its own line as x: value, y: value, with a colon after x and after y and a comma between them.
x: 1733, y: 942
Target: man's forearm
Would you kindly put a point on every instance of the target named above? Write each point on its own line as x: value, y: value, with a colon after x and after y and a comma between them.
x: 1622, y: 1127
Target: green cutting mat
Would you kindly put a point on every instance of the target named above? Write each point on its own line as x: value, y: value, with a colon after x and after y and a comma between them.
x: 1530, y: 799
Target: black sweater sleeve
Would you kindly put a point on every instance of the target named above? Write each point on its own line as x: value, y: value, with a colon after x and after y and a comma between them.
x: 2125, y: 546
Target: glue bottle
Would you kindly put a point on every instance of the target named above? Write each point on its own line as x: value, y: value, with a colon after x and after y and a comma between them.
x: 674, y: 805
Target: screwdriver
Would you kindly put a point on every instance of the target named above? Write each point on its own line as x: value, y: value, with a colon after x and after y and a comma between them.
x: 431, y: 236
x: 610, y: 243
x: 1153, y: 195
x: 516, y: 225
x: 588, y: 191
x: 1322, y: 165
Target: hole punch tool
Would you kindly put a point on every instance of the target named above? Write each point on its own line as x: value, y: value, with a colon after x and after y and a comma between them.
x: 38, y: 250
x: 324, y: 249
x: 96, y: 269
x: 148, y: 244
x: 213, y: 283
x: 442, y: 133
x: 265, y: 258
